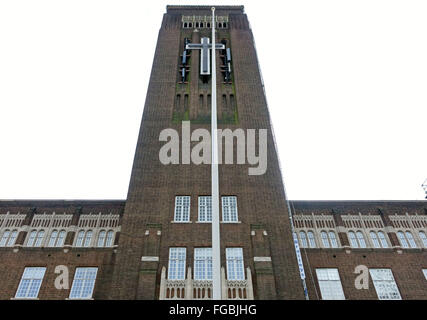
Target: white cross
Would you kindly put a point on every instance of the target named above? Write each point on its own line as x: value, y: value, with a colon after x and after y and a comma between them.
x: 204, y: 46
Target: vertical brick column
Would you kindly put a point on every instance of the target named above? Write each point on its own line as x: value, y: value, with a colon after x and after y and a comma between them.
x: 342, y: 235
x: 149, y: 266
x: 27, y: 222
x: 264, y: 281
x: 389, y: 229
x: 69, y: 239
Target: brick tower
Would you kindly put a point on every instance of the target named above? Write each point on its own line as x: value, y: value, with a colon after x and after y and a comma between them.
x: 164, y: 249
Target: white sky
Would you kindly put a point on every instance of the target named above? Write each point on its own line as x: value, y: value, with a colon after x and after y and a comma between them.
x: 346, y: 84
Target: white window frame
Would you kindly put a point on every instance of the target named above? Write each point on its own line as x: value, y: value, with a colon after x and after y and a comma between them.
x: 330, y: 284
x: 311, y: 239
x: 35, y: 238
x: 384, y: 284
x: 405, y: 241
x: 303, y: 239
x: 57, y: 238
x: 84, y: 238
x: 31, y: 281
x: 235, y: 264
x: 182, y: 208
x: 229, y: 209
x: 205, y: 209
x: 202, y: 263
x: 329, y: 241
x: 8, y: 238
x: 83, y: 283
x: 177, y: 263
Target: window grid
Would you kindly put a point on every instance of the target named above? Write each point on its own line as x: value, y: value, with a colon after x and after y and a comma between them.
x: 406, y: 239
x: 30, y: 283
x: 229, y: 209
x: 36, y: 238
x: 182, y: 209
x: 84, y: 238
x: 205, y: 209
x: 383, y: 240
x: 176, y: 269
x: 384, y: 284
x: 57, y: 238
x: 109, y: 240
x: 330, y: 284
x: 8, y: 239
x: 235, y: 267
x: 83, y: 283
x: 203, y: 264
x: 303, y: 239
x: 311, y: 239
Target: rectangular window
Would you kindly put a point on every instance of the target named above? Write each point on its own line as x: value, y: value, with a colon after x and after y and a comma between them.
x: 182, y: 208
x: 384, y: 284
x: 235, y: 267
x: 425, y: 273
x: 176, y: 270
x: 203, y: 264
x: 30, y: 282
x: 83, y: 283
x: 330, y: 284
x: 229, y: 209
x: 205, y: 209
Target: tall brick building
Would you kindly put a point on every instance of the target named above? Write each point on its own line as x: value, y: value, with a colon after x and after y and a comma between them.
x: 156, y: 244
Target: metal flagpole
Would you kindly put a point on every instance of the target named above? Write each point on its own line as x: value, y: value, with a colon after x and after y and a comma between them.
x: 216, y: 248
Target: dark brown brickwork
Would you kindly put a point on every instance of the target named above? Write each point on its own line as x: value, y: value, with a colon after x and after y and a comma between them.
x: 13, y: 260
x: 406, y: 264
x: 153, y: 186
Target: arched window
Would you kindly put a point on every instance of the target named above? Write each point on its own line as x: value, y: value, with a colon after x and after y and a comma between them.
x: 109, y: 240
x: 57, y: 238
x: 36, y: 238
x: 197, y: 24
x: 402, y: 239
x: 190, y: 25
x: 39, y: 238
x: 61, y: 238
x: 185, y: 25
x: 311, y: 240
x: 333, y: 239
x: 52, y: 240
x: 353, y: 240
x: 88, y: 238
x: 101, y: 238
x: 423, y: 238
x: 411, y: 240
x: 361, y: 239
x: 219, y: 25
x: 209, y: 25
x: 325, y: 240
x: 303, y: 239
x: 80, y: 237
x: 374, y: 239
x: 8, y: 238
x: 201, y: 24
x: 31, y: 238
x: 383, y: 239
x: 224, y: 25
x: 12, y: 238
